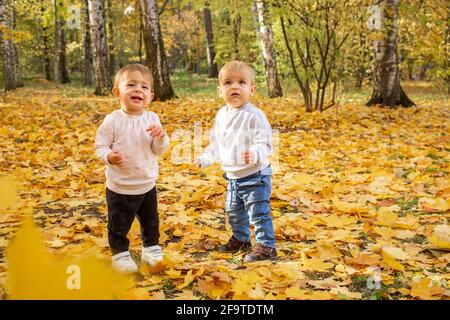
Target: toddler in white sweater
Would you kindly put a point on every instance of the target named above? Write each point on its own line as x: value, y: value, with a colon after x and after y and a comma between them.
x: 128, y: 142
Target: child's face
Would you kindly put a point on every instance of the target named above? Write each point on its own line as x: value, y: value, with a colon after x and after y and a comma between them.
x: 134, y: 92
x: 236, y: 87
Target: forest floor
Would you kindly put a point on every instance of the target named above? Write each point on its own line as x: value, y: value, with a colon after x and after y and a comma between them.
x: 360, y: 199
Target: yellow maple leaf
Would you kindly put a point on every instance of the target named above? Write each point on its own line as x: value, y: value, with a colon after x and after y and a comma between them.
x: 187, y: 280
x: 295, y: 293
x: 33, y: 274
x: 390, y: 260
x: 433, y: 204
x: 8, y: 193
x: 441, y: 237
x: 426, y: 290
x: 316, y: 264
x: 386, y: 217
x: 335, y: 221
x: 348, y: 207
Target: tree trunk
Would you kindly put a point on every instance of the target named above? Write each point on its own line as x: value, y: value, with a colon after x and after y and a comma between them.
x: 46, y: 55
x: 141, y: 31
x: 236, y: 31
x: 266, y: 35
x: 210, y: 52
x: 88, y: 63
x: 112, y: 58
x: 57, y: 38
x: 302, y: 84
x: 7, y: 56
x: 362, y: 60
x: 386, y: 77
x: 62, y: 50
x: 46, y: 51
x: 154, y: 48
x: 447, y: 48
x: 14, y: 50
x: 99, y: 49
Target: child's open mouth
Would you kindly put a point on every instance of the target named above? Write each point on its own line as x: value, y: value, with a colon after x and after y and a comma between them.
x: 235, y: 94
x: 135, y: 98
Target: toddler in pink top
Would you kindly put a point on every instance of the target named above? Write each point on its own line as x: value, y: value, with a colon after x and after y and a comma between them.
x: 128, y: 142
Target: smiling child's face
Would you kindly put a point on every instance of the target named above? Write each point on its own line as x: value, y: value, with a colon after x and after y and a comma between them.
x: 236, y: 87
x: 134, y: 92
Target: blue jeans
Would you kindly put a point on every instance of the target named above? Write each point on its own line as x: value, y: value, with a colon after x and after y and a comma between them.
x: 248, y: 201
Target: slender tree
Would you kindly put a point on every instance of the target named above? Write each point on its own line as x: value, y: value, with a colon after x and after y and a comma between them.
x: 7, y: 54
x: 236, y: 32
x: 45, y: 45
x: 154, y: 48
x: 266, y: 36
x: 62, y: 48
x: 97, y: 24
x: 88, y: 61
x: 210, y: 51
x: 447, y: 48
x: 14, y: 50
x: 112, y: 58
x: 386, y: 75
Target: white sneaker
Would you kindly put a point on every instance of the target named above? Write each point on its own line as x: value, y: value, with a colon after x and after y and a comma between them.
x: 122, y: 262
x: 152, y: 255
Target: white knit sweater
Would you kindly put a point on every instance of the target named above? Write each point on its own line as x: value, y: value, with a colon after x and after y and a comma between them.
x: 126, y: 133
x: 237, y: 130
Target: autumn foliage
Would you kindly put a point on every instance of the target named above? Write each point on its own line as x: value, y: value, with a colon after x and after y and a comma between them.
x: 361, y: 199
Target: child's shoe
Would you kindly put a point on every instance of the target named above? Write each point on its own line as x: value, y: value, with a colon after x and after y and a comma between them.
x: 234, y: 245
x: 122, y: 262
x: 152, y: 255
x: 261, y: 252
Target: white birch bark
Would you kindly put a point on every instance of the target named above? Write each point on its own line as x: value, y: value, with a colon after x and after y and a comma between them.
x: 99, y: 46
x: 7, y: 55
x: 268, y: 51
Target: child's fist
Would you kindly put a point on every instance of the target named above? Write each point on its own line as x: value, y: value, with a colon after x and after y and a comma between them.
x: 116, y: 158
x: 248, y: 156
x: 197, y: 163
x: 156, y: 131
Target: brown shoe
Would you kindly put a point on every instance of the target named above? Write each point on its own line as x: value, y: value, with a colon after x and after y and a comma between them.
x: 234, y: 245
x: 261, y: 252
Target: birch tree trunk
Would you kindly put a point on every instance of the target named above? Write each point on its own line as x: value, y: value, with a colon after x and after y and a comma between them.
x: 62, y: 49
x: 386, y: 76
x: 14, y: 50
x: 266, y: 36
x: 112, y: 58
x: 141, y: 31
x: 236, y: 31
x: 99, y: 49
x: 57, y: 38
x: 88, y: 63
x: 210, y: 51
x: 154, y: 48
x: 7, y: 56
x: 447, y: 48
x: 45, y: 45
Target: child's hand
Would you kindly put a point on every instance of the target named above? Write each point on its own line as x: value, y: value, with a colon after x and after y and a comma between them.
x: 116, y: 158
x: 248, y: 157
x: 156, y: 131
x: 197, y: 163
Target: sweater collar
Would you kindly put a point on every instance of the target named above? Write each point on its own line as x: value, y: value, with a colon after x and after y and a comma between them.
x: 234, y: 110
x: 131, y: 116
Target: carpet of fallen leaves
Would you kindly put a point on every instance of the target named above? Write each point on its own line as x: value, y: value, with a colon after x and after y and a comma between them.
x: 360, y: 201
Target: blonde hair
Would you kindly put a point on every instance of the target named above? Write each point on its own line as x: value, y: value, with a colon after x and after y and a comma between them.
x: 144, y: 70
x: 237, y: 65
